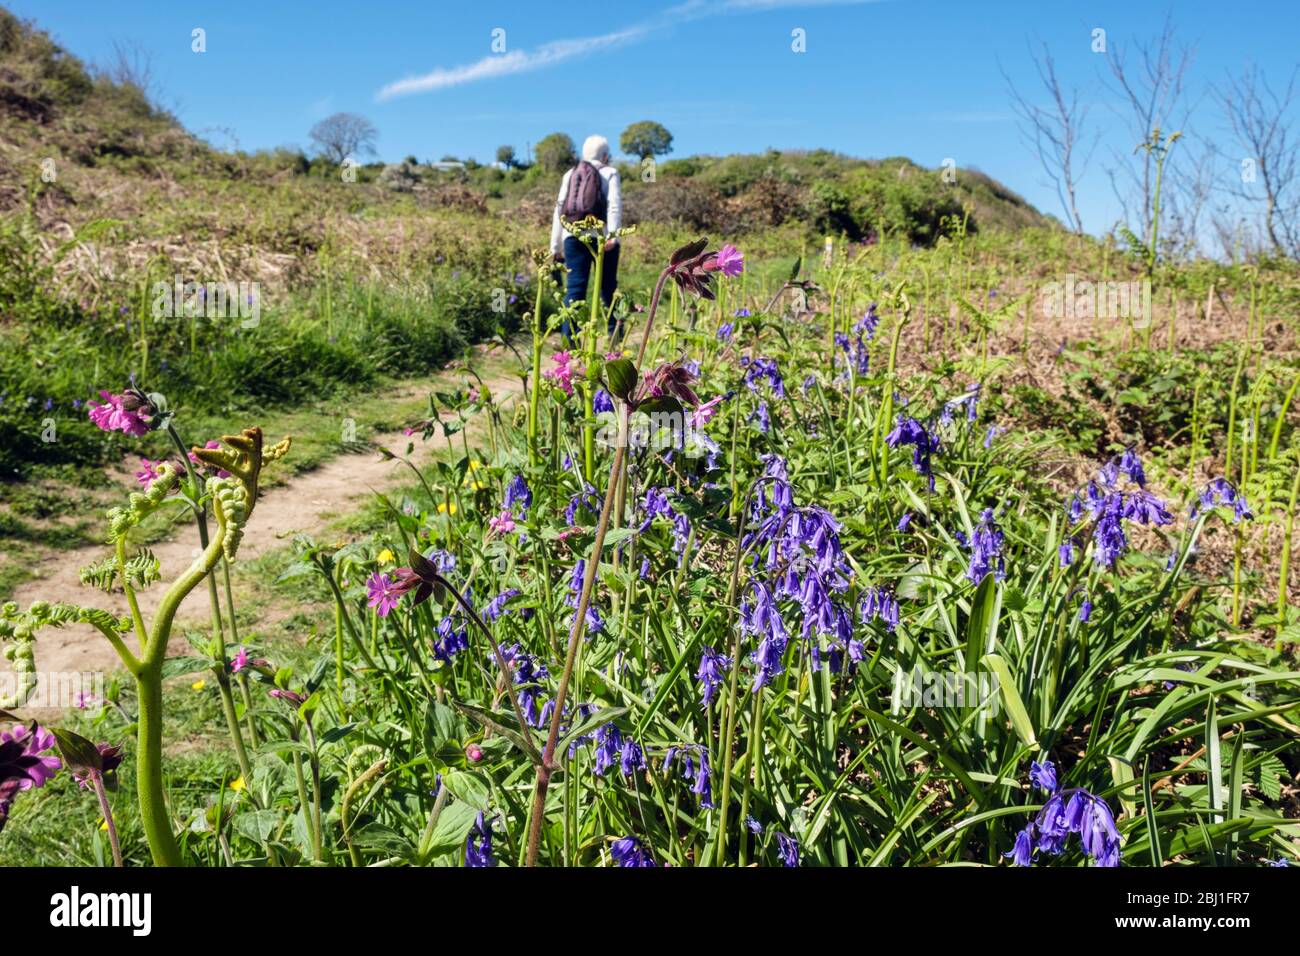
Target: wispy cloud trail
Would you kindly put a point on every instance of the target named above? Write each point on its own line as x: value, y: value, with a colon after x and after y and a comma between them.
x: 557, y: 51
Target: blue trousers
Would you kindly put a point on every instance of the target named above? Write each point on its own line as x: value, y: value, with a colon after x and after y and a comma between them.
x: 579, y: 263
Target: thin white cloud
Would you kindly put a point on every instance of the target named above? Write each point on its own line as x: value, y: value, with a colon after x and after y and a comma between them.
x: 549, y: 54
x: 507, y: 64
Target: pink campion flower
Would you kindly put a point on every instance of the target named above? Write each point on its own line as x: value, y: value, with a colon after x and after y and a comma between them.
x: 239, y: 661
x: 730, y: 261
x: 287, y: 695
x: 148, y: 472
x: 702, y: 415
x: 563, y: 372
x: 503, y: 523
x: 567, y: 533
x: 35, y: 740
x: 383, y: 593
x: 84, y: 700
x: 110, y: 416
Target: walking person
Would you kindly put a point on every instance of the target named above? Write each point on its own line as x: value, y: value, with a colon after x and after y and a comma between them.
x: 591, y: 188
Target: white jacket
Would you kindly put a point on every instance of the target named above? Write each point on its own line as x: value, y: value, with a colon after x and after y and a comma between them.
x: 610, y: 188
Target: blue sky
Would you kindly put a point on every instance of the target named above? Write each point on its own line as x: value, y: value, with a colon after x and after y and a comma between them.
x: 920, y: 78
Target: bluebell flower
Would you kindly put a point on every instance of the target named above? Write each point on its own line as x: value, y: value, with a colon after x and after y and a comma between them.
x: 497, y: 606
x: 451, y: 638
x: 761, y: 418
x: 725, y: 330
x: 986, y: 550
x: 713, y: 668
x: 1023, y: 850
x: 1085, y: 610
x: 763, y: 369
x: 478, y: 846
x: 631, y: 757
x: 878, y: 603
x: 587, y: 498
x: 1043, y: 775
x: 1068, y: 812
x: 753, y: 826
x: 629, y: 851
x: 1220, y: 491
x: 904, y: 521
x: 602, y: 402
x: 788, y: 849
x: 909, y: 431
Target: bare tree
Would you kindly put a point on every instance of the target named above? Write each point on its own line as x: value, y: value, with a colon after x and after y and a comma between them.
x: 1055, y: 133
x: 1150, y: 87
x: 132, y: 65
x: 343, y: 135
x: 1259, y: 121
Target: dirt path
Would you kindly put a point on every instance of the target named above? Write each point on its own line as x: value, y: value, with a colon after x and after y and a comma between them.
x: 306, y: 503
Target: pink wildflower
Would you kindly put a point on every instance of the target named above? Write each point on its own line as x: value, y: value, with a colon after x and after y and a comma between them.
x: 239, y: 661
x: 701, y: 415
x: 731, y: 261
x: 112, y: 417
x: 383, y: 593
x: 503, y: 523
x: 35, y: 741
x: 148, y: 472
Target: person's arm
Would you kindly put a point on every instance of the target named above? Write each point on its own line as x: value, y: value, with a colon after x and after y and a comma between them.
x: 557, y: 230
x: 614, y: 206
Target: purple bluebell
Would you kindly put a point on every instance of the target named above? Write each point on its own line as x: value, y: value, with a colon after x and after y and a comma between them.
x: 763, y: 369
x: 1043, y: 775
x: 761, y: 418
x: 713, y: 668
x: 986, y: 550
x: 725, y: 330
x: 1220, y: 491
x: 909, y: 431
x: 878, y: 603
x: 587, y: 498
x: 478, y: 846
x: 787, y: 849
x: 1068, y: 812
x: 631, y: 852
x: 602, y: 402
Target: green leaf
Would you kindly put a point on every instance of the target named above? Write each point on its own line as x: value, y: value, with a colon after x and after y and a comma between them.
x: 1011, y: 699
x: 620, y: 374
x: 468, y: 787
x: 982, y: 625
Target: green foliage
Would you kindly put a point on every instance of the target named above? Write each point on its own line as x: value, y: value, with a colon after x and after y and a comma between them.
x: 646, y: 138
x: 555, y: 153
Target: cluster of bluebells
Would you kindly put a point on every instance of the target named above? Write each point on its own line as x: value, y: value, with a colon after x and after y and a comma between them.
x: 909, y: 431
x: 528, y: 672
x: 856, y: 357
x: 694, y: 760
x: 478, y: 845
x: 799, y: 549
x: 763, y: 369
x: 630, y: 851
x: 1117, y: 496
x: 968, y: 402
x: 713, y: 669
x: 655, y: 504
x: 595, y: 623
x: 1074, y: 810
x: 878, y: 603
x: 985, y: 546
x: 1218, y: 492
x: 588, y: 498
x: 612, y: 747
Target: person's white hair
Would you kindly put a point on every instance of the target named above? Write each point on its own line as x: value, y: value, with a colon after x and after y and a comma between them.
x: 595, y: 149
